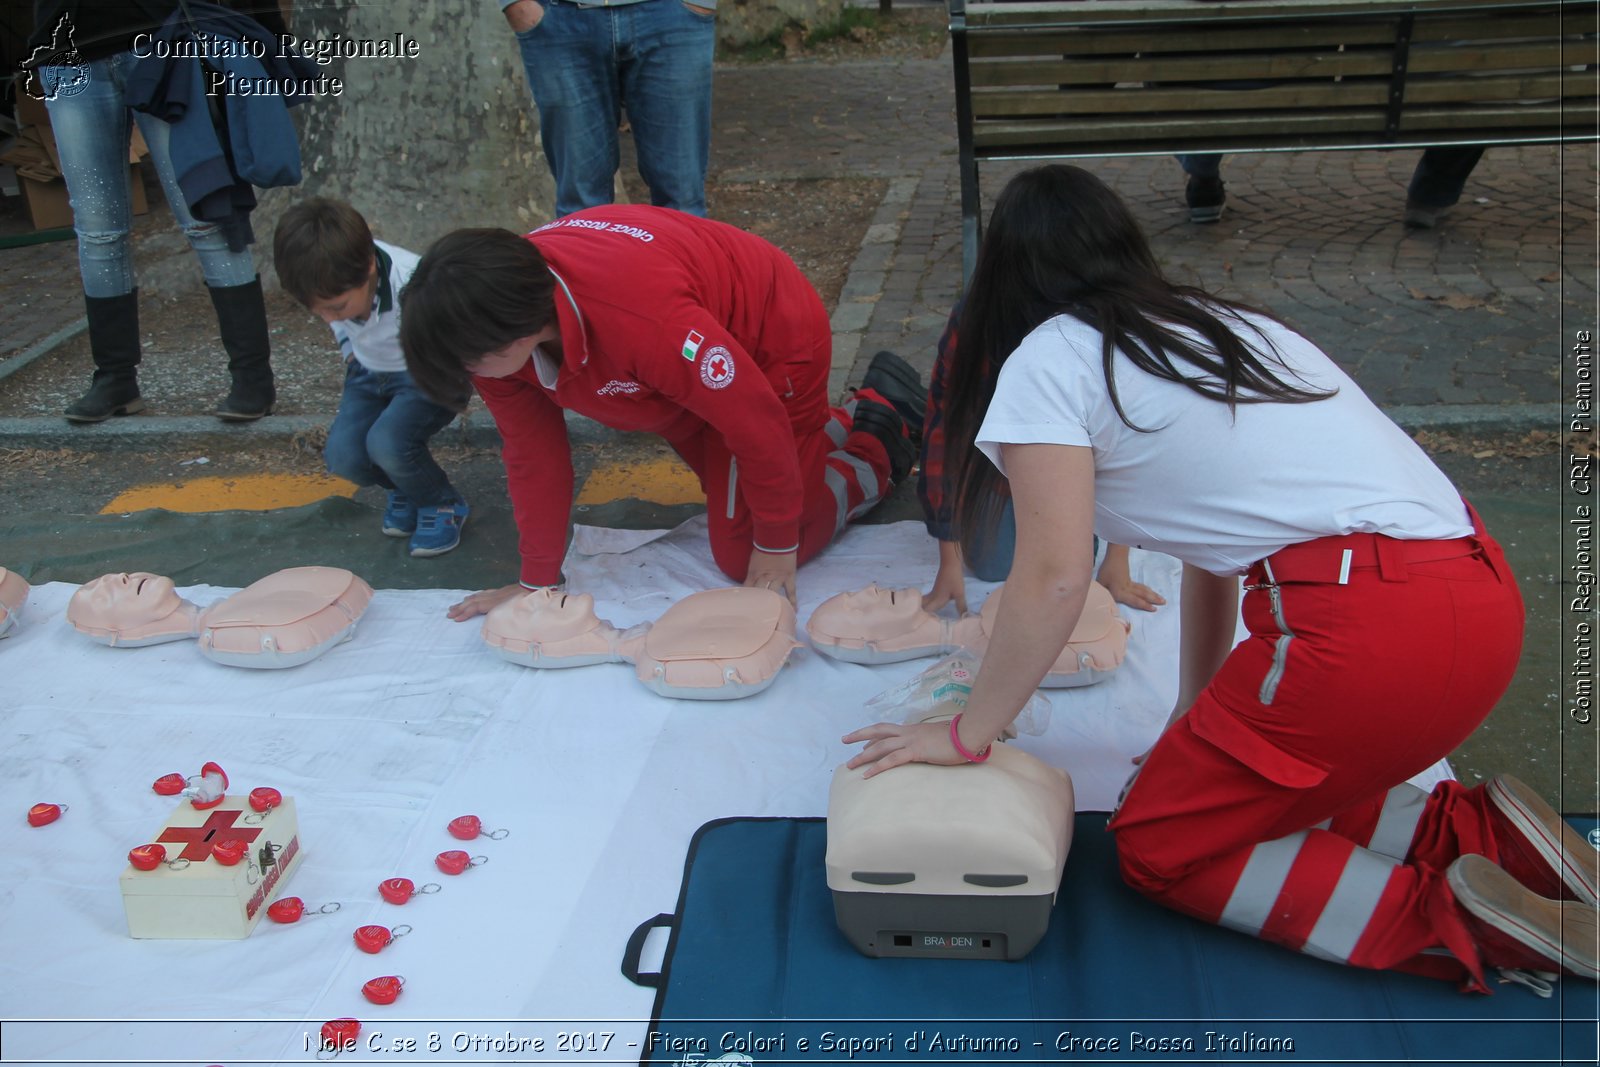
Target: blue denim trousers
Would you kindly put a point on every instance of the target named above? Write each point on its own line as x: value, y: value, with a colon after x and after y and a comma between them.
x: 380, y: 436
x: 91, y: 129
x: 653, y: 58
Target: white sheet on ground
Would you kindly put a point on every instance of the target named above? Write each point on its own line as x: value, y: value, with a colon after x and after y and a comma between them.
x: 386, y: 739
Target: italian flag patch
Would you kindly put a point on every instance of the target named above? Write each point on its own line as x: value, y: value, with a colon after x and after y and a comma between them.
x: 691, y: 345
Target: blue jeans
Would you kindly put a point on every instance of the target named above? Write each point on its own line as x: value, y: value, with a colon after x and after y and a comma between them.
x: 990, y: 557
x: 380, y: 436
x: 91, y: 130
x: 585, y: 64
x: 1201, y: 164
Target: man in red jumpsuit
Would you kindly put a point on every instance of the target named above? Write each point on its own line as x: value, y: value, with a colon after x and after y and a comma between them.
x: 643, y: 318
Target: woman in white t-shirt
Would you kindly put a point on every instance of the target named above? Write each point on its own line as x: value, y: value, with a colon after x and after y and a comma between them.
x: 1384, y: 623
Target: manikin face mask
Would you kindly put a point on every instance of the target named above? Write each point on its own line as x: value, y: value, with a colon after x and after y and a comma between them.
x: 287, y: 618
x: 874, y: 625
x: 132, y: 610
x: 720, y: 644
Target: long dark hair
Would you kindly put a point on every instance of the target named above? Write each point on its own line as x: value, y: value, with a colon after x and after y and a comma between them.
x: 473, y: 292
x: 1060, y: 242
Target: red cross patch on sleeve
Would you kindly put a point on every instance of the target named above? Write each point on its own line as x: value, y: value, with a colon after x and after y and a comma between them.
x: 716, y: 369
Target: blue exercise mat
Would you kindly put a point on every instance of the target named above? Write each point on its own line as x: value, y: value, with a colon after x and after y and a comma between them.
x: 755, y: 966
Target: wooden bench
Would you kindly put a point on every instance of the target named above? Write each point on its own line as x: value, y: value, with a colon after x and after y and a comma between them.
x: 1051, y: 79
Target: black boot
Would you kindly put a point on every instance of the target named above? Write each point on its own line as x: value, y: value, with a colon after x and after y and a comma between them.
x: 884, y: 422
x: 114, y: 344
x: 242, y: 320
x: 899, y: 383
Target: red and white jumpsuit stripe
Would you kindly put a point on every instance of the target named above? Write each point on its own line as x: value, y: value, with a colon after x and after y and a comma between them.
x: 1277, y: 806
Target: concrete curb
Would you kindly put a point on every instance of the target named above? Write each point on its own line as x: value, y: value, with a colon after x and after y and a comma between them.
x: 863, y: 286
x: 477, y: 430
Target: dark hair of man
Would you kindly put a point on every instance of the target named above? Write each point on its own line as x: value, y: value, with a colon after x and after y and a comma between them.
x: 473, y: 293
x: 321, y: 248
x: 1060, y: 242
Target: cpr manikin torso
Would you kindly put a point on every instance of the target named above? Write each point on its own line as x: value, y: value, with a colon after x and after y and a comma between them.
x: 976, y: 849
x: 13, y: 594
x: 876, y: 625
x: 720, y: 644
x: 285, y: 619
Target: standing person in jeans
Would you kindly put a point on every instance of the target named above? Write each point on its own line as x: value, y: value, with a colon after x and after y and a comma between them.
x: 82, y: 53
x: 587, y: 62
x: 327, y: 259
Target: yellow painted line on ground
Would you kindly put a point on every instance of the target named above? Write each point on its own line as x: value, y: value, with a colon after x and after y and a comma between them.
x: 660, y: 481
x: 249, y: 492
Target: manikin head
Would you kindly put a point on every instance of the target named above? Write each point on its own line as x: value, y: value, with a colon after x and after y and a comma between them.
x: 868, y: 614
x: 132, y: 609
x: 13, y: 593
x: 552, y: 625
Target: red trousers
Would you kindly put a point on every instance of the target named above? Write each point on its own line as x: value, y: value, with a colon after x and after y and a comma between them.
x: 844, y: 474
x: 1277, y: 805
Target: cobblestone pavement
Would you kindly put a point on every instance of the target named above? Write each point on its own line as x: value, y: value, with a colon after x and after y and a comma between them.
x: 1476, y: 312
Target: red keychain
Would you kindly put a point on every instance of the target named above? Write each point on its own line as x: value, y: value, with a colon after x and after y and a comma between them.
x: 170, y: 785
x: 229, y: 852
x: 400, y: 890
x: 262, y: 800
x: 149, y: 857
x: 383, y: 990
x: 45, y: 814
x: 374, y: 939
x: 468, y: 827
x: 455, y: 861
x: 208, y: 770
x: 290, y: 909
x: 339, y: 1035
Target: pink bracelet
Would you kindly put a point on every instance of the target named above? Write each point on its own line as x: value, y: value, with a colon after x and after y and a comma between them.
x: 955, y: 739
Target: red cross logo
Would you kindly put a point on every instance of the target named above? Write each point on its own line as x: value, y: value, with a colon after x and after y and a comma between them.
x: 201, y: 839
x: 716, y: 370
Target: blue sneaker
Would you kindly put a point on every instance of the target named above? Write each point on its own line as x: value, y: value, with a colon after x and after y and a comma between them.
x: 399, y: 515
x: 439, y: 528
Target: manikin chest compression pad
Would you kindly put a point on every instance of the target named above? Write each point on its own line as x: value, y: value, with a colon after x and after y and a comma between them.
x: 876, y: 625
x: 719, y: 644
x: 753, y: 952
x: 285, y: 619
x: 13, y: 594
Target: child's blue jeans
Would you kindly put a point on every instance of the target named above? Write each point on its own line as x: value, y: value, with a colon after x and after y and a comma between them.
x: 380, y: 436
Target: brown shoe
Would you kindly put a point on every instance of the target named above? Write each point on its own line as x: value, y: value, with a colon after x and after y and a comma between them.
x: 1538, y: 847
x: 1516, y: 928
